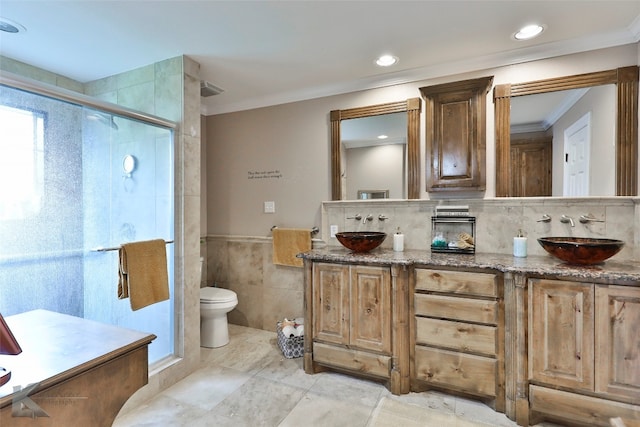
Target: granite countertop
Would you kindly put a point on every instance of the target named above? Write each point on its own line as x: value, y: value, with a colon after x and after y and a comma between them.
x: 611, y: 271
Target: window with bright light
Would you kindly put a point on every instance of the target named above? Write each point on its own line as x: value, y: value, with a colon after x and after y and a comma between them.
x: 21, y: 162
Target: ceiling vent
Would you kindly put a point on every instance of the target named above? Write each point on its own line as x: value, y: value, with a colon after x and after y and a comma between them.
x: 207, y: 89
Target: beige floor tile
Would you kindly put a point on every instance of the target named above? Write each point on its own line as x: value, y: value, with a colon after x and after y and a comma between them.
x: 321, y: 411
x: 260, y: 402
x: 250, y: 383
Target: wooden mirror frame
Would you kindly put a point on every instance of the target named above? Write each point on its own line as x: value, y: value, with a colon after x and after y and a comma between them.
x: 626, y: 80
x: 412, y: 107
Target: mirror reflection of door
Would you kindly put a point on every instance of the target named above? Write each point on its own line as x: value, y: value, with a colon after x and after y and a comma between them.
x: 546, y: 117
x: 577, y: 147
x: 375, y: 155
x: 531, y: 164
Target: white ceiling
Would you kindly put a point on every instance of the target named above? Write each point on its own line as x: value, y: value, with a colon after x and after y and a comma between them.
x: 270, y: 52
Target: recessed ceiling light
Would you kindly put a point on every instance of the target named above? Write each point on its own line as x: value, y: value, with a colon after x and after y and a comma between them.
x: 386, y: 60
x: 529, y: 32
x: 382, y: 137
x: 9, y: 26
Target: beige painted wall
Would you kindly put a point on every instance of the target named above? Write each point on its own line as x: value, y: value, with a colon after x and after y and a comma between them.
x: 292, y: 141
x: 600, y: 101
x: 380, y: 167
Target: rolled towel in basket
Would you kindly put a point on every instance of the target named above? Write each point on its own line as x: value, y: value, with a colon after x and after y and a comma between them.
x: 289, y: 331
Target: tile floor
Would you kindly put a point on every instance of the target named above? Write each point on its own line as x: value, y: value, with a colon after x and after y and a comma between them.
x: 250, y: 383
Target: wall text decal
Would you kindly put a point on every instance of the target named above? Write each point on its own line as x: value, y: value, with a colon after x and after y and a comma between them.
x: 272, y: 174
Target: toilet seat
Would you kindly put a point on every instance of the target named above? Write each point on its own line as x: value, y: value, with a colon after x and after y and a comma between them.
x: 210, y: 295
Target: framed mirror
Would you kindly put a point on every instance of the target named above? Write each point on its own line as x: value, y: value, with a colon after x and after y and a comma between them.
x: 625, y: 135
x: 410, y: 174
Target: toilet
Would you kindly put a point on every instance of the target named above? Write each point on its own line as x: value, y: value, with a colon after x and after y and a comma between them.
x: 215, y: 303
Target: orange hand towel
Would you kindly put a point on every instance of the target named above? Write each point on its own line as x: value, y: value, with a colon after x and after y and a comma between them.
x: 142, y: 273
x: 289, y: 242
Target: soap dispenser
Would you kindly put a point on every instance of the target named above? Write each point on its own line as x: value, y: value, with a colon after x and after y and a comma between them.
x: 398, y: 241
x: 520, y: 245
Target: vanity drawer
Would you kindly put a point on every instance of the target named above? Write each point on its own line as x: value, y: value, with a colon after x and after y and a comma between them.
x: 360, y: 361
x: 474, y: 374
x: 457, y: 282
x: 456, y: 308
x: 466, y: 337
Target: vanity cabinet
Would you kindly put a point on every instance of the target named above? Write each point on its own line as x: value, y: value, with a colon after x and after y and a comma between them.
x: 353, y: 306
x: 357, y: 316
x: 456, y: 135
x: 584, y: 353
x: 458, y: 333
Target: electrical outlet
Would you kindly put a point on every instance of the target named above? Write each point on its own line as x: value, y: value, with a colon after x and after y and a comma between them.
x: 269, y: 207
x: 334, y: 230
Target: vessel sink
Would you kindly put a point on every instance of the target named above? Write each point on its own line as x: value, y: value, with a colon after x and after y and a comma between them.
x: 581, y: 250
x: 361, y: 241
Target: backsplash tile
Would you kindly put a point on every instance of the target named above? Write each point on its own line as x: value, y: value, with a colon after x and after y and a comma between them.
x: 497, y: 220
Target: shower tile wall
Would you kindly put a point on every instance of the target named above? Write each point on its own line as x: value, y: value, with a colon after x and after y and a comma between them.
x: 176, y: 84
x: 140, y: 206
x: 42, y: 255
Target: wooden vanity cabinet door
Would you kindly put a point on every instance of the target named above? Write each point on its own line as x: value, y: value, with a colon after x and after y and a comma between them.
x: 456, y: 135
x: 561, y: 328
x: 331, y: 303
x: 617, y: 335
x: 370, y: 308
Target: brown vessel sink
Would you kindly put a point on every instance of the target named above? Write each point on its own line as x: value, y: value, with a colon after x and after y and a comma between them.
x: 581, y: 250
x: 361, y: 241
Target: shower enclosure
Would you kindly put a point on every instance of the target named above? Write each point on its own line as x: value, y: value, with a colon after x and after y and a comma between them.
x: 76, y: 176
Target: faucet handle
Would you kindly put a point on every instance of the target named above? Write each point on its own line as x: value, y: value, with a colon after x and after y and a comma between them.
x: 567, y: 219
x: 589, y: 218
x: 545, y: 218
x: 357, y: 217
x: 382, y: 217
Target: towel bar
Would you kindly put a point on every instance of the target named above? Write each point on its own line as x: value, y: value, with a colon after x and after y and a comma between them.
x: 314, y: 230
x: 118, y: 247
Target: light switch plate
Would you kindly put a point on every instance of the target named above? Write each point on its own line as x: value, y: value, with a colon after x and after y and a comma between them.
x: 334, y: 230
x: 269, y: 207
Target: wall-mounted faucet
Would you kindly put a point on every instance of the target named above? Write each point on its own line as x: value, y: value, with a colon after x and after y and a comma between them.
x: 567, y: 219
x: 367, y: 218
x: 357, y: 217
x: 588, y: 218
x: 545, y: 218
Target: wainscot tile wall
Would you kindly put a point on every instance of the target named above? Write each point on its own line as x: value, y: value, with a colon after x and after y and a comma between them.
x: 267, y: 292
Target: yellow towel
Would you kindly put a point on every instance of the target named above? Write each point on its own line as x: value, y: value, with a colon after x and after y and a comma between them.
x: 142, y: 273
x: 287, y: 243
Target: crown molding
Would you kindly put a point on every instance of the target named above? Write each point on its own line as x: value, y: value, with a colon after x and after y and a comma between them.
x: 512, y: 57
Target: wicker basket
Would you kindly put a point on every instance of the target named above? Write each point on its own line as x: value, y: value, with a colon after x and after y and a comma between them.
x: 291, y: 346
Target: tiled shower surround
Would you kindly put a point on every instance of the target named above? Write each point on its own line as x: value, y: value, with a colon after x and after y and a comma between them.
x: 267, y: 293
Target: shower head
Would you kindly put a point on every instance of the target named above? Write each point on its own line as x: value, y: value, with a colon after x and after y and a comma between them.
x: 207, y: 89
